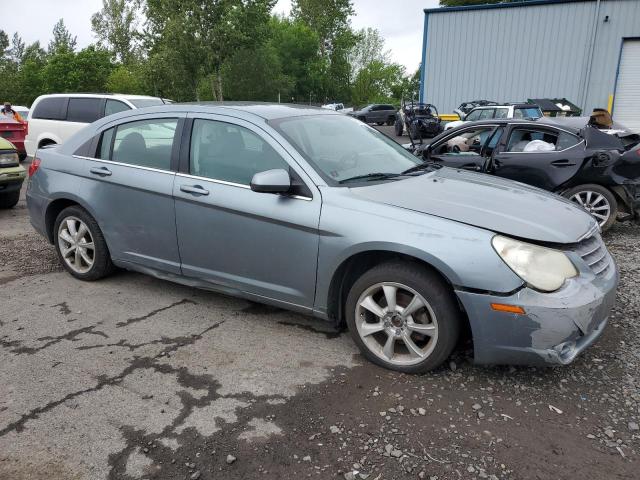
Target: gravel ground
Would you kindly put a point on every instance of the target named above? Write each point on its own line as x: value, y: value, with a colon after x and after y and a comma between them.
x: 133, y: 377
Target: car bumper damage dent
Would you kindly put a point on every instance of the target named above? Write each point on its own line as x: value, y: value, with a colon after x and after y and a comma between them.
x: 555, y: 327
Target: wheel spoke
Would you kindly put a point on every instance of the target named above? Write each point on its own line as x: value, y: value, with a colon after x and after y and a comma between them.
x: 86, y: 246
x: 85, y: 256
x: 390, y: 295
x: 411, y: 346
x: 81, y: 231
x: 598, y: 199
x: 429, y: 330
x: 600, y: 216
x: 367, y: 329
x: 71, y: 226
x: 67, y: 251
x: 370, y: 304
x: 578, y: 199
x: 389, y: 347
x: 414, y: 305
x: 64, y: 235
x: 589, y: 195
x: 77, y: 258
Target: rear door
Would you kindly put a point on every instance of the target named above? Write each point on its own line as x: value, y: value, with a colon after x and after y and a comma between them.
x: 259, y: 243
x: 539, y: 156
x: 131, y: 194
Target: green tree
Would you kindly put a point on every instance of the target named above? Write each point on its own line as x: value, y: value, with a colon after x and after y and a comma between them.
x: 85, y: 71
x: 115, y: 26
x: 30, y: 81
x: 198, y: 36
x: 63, y: 41
x: 376, y: 81
x: 125, y: 79
x: 256, y: 74
x: 297, y: 48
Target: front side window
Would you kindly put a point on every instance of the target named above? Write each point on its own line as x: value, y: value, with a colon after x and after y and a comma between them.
x: 502, y: 113
x: 340, y: 148
x: 228, y: 152
x: 473, y: 115
x: 115, y: 106
x: 84, y: 110
x: 467, y: 142
x: 145, y: 143
x: 532, y: 140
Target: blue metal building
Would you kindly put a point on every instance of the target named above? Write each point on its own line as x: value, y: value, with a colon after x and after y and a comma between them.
x: 587, y: 51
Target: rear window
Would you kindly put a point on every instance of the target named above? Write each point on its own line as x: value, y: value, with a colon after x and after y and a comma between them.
x: 84, y: 110
x: 51, y: 108
x: 146, y: 102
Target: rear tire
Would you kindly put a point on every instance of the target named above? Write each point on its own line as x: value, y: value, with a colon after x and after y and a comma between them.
x: 596, y: 200
x: 84, y: 255
x: 433, y: 325
x: 380, y: 124
x: 9, y: 200
x: 391, y: 121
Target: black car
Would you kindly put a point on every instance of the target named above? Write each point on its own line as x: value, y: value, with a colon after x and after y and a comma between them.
x: 598, y: 169
x: 420, y: 120
x: 376, y: 113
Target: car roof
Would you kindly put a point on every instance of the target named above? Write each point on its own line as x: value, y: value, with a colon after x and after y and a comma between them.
x: 100, y: 95
x: 265, y: 110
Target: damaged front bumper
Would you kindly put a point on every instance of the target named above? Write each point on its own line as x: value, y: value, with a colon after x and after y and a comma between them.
x: 555, y: 328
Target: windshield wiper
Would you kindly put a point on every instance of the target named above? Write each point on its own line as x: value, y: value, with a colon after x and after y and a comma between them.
x: 423, y: 166
x: 371, y: 176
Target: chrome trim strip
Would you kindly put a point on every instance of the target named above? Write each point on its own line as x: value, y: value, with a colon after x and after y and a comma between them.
x: 233, y: 184
x: 111, y: 162
x: 213, y: 180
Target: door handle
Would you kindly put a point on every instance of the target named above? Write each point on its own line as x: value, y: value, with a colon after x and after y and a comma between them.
x: 194, y: 189
x: 563, y: 163
x: 102, y: 171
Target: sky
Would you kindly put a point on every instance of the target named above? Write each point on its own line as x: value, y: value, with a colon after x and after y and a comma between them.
x: 399, y: 21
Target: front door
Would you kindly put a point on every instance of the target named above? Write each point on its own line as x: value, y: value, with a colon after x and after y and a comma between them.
x: 469, y: 148
x: 259, y: 243
x: 543, y: 157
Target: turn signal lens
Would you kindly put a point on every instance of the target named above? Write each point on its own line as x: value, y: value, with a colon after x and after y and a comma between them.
x: 501, y: 307
x: 33, y: 168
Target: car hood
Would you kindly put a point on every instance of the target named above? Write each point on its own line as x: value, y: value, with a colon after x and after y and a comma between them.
x: 484, y: 201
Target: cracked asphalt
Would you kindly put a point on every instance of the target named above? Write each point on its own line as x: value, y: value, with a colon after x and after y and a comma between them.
x: 133, y: 377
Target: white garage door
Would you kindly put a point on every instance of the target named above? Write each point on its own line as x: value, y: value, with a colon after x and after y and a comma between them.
x: 626, y: 108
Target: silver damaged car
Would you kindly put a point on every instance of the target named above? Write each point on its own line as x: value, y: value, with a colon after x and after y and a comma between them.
x: 316, y: 212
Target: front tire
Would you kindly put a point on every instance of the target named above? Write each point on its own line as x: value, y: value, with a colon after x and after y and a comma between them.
x: 403, y: 317
x: 596, y: 200
x: 80, y: 245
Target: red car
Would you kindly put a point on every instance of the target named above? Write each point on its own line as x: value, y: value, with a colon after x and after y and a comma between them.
x: 15, y: 132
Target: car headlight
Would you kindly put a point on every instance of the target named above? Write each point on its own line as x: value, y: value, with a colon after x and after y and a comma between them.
x: 542, y: 268
x: 9, y: 159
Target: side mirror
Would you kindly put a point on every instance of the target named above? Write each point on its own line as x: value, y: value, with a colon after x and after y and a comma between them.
x: 271, y: 181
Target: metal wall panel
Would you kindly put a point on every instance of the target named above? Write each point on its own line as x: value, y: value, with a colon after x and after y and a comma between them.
x: 535, y: 51
x: 627, y: 107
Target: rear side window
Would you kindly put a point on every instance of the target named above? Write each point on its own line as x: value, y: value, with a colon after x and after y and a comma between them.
x: 115, y: 106
x: 146, y: 143
x: 487, y: 113
x: 532, y: 140
x: 530, y: 112
x: 566, y: 140
x: 84, y: 110
x: 51, y: 108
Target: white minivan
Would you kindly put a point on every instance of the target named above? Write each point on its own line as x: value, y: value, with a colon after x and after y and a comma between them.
x: 54, y: 118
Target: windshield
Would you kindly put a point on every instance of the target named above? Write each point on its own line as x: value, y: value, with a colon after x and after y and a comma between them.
x: 529, y: 112
x: 146, y: 102
x: 340, y: 147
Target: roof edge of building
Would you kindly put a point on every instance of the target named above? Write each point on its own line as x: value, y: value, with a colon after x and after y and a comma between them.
x: 489, y: 6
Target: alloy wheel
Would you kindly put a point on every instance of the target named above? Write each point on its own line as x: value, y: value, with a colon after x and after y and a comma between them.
x: 595, y: 203
x: 76, y: 244
x: 396, y: 323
